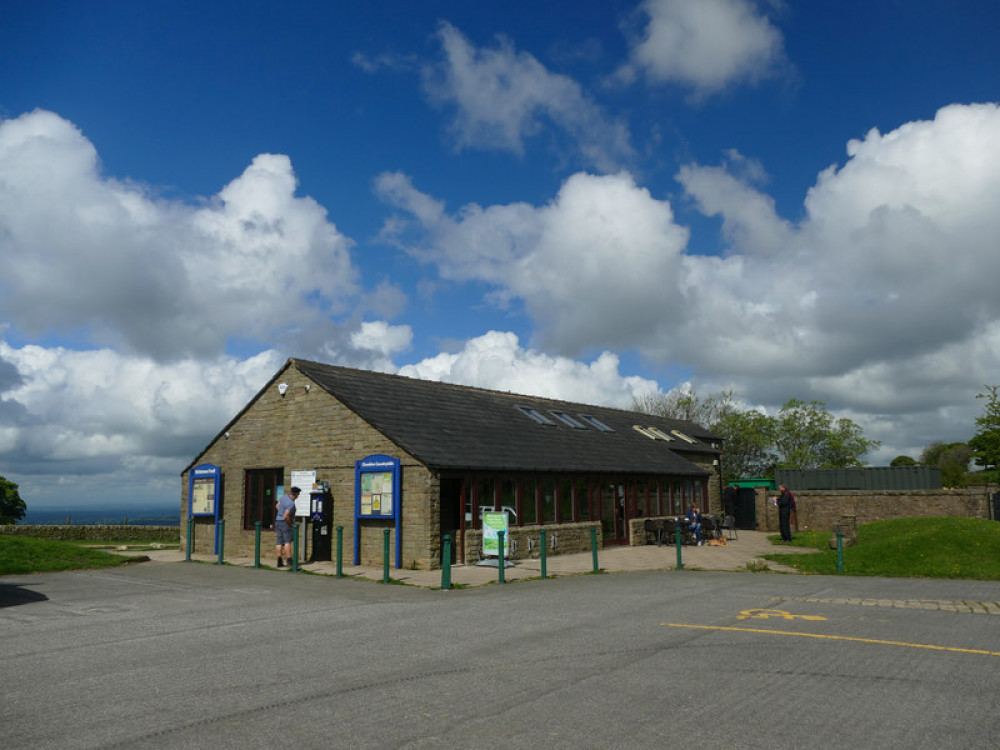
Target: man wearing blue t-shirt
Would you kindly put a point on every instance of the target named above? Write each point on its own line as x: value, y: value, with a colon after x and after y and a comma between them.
x: 284, y: 523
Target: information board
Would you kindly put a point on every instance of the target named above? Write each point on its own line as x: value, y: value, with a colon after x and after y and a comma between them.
x: 492, y: 523
x: 203, y: 490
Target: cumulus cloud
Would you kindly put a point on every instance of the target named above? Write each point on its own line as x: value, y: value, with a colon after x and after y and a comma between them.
x: 881, y: 297
x: 101, y: 412
x: 705, y: 45
x: 156, y: 277
x: 497, y: 361
x: 598, y: 266
x: 501, y: 97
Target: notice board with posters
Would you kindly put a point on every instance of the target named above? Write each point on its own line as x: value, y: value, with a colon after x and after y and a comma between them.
x: 377, y: 497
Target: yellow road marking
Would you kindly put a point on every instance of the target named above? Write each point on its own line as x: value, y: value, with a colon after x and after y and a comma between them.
x: 877, y: 641
x: 764, y: 614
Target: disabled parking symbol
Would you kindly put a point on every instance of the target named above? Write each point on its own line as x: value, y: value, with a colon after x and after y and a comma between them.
x: 779, y: 614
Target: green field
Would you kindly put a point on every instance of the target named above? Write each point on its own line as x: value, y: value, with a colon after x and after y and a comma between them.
x: 907, y: 548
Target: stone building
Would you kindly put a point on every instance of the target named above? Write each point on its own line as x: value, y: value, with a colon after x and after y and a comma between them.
x: 424, y: 459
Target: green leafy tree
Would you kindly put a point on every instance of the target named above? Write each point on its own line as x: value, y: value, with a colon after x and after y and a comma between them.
x: 985, y: 444
x: 953, y: 460
x: 802, y: 436
x: 12, y: 507
x: 903, y: 461
x: 748, y: 445
x: 808, y: 437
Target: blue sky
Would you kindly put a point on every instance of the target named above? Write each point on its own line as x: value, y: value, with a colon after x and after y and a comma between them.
x: 791, y: 199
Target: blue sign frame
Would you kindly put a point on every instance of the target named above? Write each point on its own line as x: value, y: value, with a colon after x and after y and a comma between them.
x: 209, y: 479
x: 377, y: 496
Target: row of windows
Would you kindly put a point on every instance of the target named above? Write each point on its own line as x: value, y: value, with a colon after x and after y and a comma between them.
x: 531, y: 501
x: 578, y: 422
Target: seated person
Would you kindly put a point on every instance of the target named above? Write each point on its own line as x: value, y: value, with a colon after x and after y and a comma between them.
x: 694, y: 522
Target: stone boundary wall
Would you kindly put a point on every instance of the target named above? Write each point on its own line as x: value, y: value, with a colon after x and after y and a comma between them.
x: 82, y: 533
x: 821, y: 509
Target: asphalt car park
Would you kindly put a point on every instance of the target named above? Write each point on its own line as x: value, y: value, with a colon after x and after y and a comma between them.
x: 166, y: 655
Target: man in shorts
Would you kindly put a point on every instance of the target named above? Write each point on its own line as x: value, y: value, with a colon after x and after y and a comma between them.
x: 284, y: 523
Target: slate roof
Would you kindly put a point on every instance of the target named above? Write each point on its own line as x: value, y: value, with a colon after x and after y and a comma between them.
x: 452, y: 427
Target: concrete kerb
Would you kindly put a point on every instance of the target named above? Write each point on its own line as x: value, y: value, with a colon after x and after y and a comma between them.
x: 743, y: 554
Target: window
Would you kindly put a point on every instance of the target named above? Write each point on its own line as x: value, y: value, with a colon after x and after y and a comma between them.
x: 260, y: 493
x: 565, y: 500
x: 643, y: 431
x: 529, y: 502
x: 660, y: 433
x: 582, y: 499
x: 682, y: 436
x: 595, y: 422
x: 567, y: 420
x: 536, y: 415
x: 548, y: 498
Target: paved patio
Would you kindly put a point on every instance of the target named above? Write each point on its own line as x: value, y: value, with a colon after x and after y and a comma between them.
x: 743, y: 554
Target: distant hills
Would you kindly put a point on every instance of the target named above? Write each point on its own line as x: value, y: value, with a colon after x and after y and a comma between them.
x: 133, y: 515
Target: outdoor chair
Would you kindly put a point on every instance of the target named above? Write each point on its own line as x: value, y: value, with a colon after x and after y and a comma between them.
x: 729, y: 525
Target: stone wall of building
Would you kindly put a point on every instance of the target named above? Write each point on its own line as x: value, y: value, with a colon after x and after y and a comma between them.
x: 821, y: 509
x: 309, y: 429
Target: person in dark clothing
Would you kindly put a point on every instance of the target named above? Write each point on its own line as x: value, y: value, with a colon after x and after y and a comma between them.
x: 730, y: 500
x: 785, y: 503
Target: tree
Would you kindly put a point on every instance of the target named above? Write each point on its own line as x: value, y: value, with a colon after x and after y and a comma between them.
x: 802, y: 435
x: 12, y: 507
x: 952, y: 458
x: 986, y: 443
x: 808, y: 437
x: 903, y: 461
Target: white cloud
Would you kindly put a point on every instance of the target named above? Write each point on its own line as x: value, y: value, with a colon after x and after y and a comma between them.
x: 151, y: 276
x: 502, y: 97
x: 881, y: 298
x: 497, y: 361
x: 598, y: 266
x: 706, y: 45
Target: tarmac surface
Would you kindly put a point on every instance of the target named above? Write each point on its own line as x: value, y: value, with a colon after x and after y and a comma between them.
x: 741, y: 554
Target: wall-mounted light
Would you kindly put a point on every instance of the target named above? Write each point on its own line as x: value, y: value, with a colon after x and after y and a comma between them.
x: 715, y: 462
x: 307, y: 387
x: 226, y: 435
x: 282, y: 388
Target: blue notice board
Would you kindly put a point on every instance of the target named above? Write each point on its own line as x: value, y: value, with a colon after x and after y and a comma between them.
x: 204, y: 494
x: 377, y: 496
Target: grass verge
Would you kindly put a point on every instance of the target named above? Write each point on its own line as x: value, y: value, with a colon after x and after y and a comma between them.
x: 960, y: 548
x: 29, y: 555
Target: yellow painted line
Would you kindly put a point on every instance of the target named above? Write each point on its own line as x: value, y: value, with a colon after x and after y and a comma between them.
x: 876, y: 641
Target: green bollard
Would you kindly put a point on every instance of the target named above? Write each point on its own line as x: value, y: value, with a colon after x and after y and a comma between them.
x: 340, y: 552
x: 541, y: 541
x: 446, y: 564
x: 500, y: 560
x: 840, y: 551
x: 677, y: 543
x: 222, y: 538
x: 187, y: 552
x: 385, y: 555
x: 256, y: 544
x: 295, y: 548
x: 593, y: 546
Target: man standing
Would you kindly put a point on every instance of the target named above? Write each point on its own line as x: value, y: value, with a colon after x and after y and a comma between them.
x: 284, y: 524
x: 785, y: 503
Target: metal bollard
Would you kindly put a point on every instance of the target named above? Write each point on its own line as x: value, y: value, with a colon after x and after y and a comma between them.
x: 677, y: 543
x: 446, y: 564
x: 340, y: 552
x: 593, y: 546
x: 295, y: 549
x: 221, y: 538
x: 500, y: 560
x: 256, y: 544
x: 541, y: 540
x: 187, y: 552
x: 840, y: 551
x: 385, y: 555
